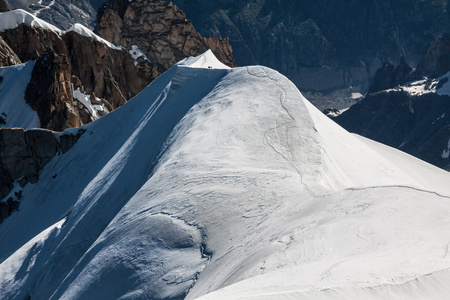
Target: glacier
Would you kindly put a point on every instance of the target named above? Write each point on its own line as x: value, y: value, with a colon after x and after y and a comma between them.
x: 219, y: 183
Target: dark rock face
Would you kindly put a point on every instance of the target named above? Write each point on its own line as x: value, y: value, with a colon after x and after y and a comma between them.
x: 436, y: 60
x: 324, y: 45
x: 23, y: 154
x: 7, y: 208
x: 49, y: 92
x: 159, y: 29
x: 7, y: 55
x: 418, y: 125
x: 3, y: 6
x: 389, y: 76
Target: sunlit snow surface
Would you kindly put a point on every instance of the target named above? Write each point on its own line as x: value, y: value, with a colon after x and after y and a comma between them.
x: 226, y: 183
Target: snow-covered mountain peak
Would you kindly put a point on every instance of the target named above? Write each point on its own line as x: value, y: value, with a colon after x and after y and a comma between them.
x: 217, y: 177
x: 12, y: 19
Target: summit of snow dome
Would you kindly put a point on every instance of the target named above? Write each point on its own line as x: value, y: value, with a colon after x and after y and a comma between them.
x: 12, y: 19
x: 227, y: 184
x: 205, y: 60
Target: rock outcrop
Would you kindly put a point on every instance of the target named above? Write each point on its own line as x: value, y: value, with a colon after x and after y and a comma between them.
x: 7, y: 55
x: 107, y: 76
x: 49, y: 92
x: 159, y: 29
x: 3, y: 6
x: 389, y: 76
x: 23, y: 153
x: 109, y: 73
x: 436, y: 60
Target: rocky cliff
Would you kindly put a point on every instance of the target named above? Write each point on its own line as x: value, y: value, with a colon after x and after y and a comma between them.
x: 23, y: 153
x: 436, y: 59
x: 7, y: 55
x: 158, y: 29
x: 70, y: 62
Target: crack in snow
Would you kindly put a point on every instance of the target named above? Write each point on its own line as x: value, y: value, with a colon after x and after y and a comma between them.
x: 397, y: 186
x: 285, y: 125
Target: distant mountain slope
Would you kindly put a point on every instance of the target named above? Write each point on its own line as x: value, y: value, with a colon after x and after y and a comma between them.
x: 326, y: 47
x: 409, y: 110
x: 229, y: 182
x: 62, y: 13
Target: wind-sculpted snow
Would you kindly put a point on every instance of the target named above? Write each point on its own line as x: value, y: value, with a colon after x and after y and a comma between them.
x: 227, y: 182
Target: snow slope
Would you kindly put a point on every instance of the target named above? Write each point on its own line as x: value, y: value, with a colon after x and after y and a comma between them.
x: 218, y: 183
x: 13, y: 107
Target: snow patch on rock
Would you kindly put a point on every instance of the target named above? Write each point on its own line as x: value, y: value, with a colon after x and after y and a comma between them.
x: 84, y: 31
x: 86, y: 101
x: 136, y: 53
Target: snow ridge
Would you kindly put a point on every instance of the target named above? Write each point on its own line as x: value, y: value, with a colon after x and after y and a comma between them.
x: 237, y: 164
x: 12, y: 19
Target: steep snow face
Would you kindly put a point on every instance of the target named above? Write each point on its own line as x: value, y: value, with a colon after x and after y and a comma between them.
x: 227, y: 184
x: 12, y: 19
x: 14, y: 111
